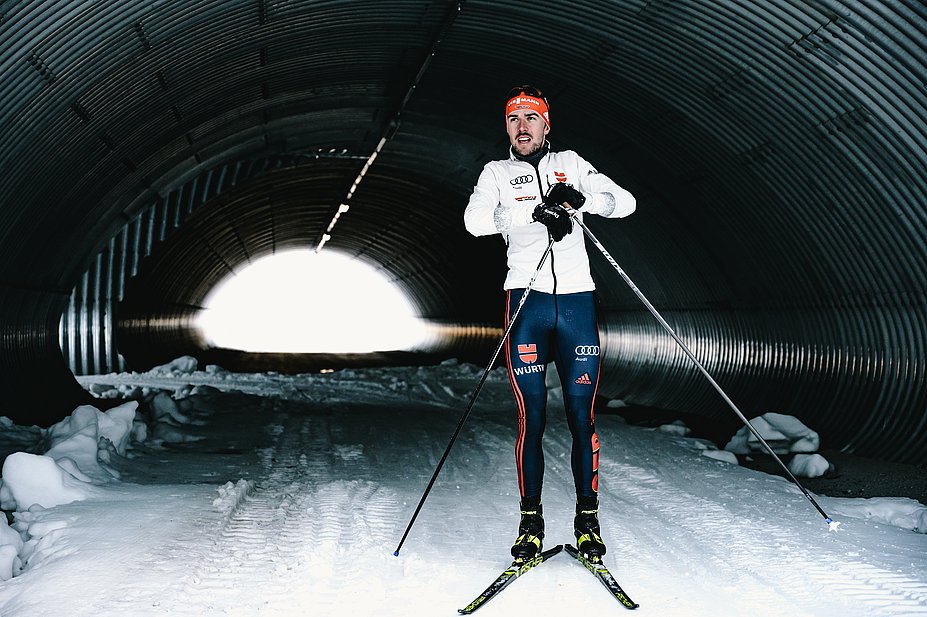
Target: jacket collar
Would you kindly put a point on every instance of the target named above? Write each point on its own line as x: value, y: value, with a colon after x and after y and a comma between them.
x: 535, y: 158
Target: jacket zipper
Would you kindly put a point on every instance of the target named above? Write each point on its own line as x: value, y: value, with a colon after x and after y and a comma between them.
x: 553, y: 271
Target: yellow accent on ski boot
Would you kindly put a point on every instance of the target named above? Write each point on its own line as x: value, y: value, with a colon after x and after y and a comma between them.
x: 586, y: 529
x: 530, y: 530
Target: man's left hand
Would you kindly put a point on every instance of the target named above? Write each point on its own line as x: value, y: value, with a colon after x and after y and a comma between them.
x: 562, y: 193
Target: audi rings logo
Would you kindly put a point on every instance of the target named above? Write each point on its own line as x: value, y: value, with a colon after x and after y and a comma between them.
x: 521, y: 180
x: 587, y: 350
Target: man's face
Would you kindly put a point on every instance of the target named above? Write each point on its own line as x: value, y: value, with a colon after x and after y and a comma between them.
x: 527, y: 131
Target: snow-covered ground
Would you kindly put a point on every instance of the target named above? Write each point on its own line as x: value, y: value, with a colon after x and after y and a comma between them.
x: 268, y: 494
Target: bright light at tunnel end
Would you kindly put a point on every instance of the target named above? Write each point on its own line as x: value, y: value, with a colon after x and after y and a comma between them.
x: 303, y: 301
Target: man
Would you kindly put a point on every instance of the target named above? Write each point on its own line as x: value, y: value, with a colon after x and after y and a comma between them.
x: 523, y: 198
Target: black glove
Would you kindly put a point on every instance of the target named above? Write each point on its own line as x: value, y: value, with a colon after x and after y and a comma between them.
x: 561, y: 193
x: 557, y: 220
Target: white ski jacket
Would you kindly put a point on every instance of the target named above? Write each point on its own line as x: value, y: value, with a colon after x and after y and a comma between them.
x: 504, y: 199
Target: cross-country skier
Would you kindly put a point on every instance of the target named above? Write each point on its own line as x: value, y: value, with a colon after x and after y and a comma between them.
x: 521, y: 198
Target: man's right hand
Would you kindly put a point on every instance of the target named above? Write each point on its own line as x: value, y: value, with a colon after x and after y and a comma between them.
x: 557, y: 220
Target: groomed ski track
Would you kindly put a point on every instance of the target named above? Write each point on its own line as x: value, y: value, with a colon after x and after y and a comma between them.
x: 326, y: 473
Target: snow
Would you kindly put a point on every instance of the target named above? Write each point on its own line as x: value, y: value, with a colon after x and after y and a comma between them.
x: 721, y: 455
x: 781, y: 432
x: 213, y: 493
x: 809, y: 465
x: 35, y: 480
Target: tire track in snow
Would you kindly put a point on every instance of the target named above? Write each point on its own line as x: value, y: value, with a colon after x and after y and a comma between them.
x: 255, y: 548
x: 283, y: 541
x: 799, y: 573
x: 654, y: 522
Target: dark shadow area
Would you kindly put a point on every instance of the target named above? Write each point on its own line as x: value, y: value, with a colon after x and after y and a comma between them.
x: 851, y: 476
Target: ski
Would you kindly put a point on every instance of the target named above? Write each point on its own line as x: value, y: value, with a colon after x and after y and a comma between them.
x: 606, y: 578
x: 509, y: 575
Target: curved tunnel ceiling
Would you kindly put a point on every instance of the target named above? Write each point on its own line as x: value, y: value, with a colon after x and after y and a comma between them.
x: 776, y: 148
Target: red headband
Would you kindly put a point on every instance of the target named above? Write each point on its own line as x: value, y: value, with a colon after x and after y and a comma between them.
x: 530, y: 103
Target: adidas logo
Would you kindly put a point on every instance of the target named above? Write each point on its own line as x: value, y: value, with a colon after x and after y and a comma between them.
x: 584, y: 380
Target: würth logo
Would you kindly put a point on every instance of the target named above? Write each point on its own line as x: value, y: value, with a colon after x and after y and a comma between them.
x: 528, y: 353
x: 560, y: 176
x: 584, y: 380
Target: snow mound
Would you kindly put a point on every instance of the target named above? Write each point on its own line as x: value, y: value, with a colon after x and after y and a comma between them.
x: 42, y: 539
x: 114, y: 425
x: 900, y: 512
x: 165, y: 409
x: 675, y: 428
x: 76, y: 463
x: 183, y: 365
x: 168, y: 422
x: 231, y: 495
x: 35, y: 479
x: 809, y: 465
x: 82, y: 442
x: 783, y: 433
x: 11, y: 543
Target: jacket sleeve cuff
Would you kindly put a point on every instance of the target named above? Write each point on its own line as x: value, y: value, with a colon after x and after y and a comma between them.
x: 522, y: 216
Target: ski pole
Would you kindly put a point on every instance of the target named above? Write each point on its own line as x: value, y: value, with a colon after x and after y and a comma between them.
x: 830, y: 522
x: 475, y: 394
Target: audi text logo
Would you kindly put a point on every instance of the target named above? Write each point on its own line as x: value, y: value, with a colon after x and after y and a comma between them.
x: 521, y: 180
x: 587, y: 350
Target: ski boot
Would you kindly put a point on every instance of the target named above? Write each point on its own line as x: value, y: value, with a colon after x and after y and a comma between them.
x: 530, y: 530
x: 586, y: 529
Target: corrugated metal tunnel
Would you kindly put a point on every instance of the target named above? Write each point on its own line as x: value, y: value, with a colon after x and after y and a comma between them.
x: 777, y: 150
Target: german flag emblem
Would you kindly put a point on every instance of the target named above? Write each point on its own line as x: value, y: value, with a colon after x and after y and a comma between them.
x: 528, y: 353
